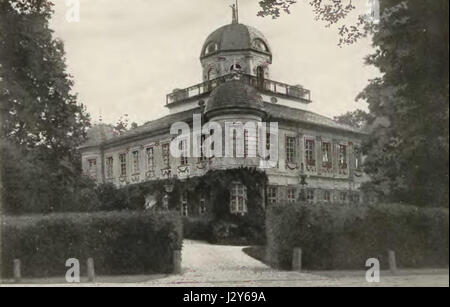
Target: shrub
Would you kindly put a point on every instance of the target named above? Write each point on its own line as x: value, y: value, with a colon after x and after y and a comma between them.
x: 197, y: 228
x: 344, y: 236
x: 120, y: 242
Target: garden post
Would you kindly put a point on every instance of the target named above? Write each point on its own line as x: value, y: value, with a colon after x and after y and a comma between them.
x: 177, y: 262
x: 17, y: 271
x: 90, y: 270
x: 392, y: 262
x: 297, y: 259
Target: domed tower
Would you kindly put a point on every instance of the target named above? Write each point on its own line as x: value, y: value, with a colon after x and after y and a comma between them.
x: 235, y: 47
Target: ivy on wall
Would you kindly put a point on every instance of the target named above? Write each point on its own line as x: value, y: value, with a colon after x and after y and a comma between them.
x: 214, y: 186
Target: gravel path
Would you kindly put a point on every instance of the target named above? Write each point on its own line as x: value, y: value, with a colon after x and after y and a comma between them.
x: 206, y: 265
x: 214, y: 265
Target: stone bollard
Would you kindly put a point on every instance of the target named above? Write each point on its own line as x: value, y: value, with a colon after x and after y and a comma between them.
x: 177, y: 262
x: 297, y: 259
x: 392, y: 262
x: 90, y: 270
x: 17, y: 271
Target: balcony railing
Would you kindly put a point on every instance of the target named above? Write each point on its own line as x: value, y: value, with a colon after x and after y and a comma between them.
x: 264, y: 85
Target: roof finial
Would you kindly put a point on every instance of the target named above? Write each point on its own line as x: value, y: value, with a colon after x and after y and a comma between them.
x: 235, y: 8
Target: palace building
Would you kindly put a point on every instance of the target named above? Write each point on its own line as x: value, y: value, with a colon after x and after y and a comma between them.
x: 316, y: 155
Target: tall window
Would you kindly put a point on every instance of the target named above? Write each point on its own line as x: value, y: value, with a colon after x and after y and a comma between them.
x: 357, y: 158
x: 109, y: 167
x: 343, y: 196
x: 123, y: 164
x: 272, y: 195
x: 135, y: 161
x: 290, y: 149
x: 184, y: 204
x: 92, y: 168
x: 150, y: 154
x: 202, y: 206
x: 166, y: 155
x: 310, y: 195
x: 327, y: 196
x: 291, y: 195
x: 245, y: 143
x: 202, y: 157
x: 326, y: 155
x: 342, y: 156
x: 238, y: 198
x: 182, y: 146
x: 310, y: 152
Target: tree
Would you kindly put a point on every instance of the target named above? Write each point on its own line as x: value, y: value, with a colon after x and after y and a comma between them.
x: 408, y: 146
x: 357, y: 119
x: 41, y: 122
x: 329, y: 11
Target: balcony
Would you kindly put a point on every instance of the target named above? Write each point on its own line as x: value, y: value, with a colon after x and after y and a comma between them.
x: 265, y: 86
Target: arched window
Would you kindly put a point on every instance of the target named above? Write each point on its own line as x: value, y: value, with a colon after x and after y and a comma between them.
x: 235, y: 67
x: 260, y: 76
x: 260, y: 45
x: 211, y: 48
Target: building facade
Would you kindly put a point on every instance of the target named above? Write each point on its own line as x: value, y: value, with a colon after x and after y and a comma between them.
x: 316, y: 155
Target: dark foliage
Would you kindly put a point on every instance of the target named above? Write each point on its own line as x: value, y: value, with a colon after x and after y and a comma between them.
x: 342, y: 236
x: 119, y: 242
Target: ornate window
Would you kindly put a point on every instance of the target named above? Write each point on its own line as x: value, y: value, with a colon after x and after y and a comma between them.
x: 326, y: 155
x: 182, y: 146
x: 290, y: 149
x: 109, y: 167
x: 92, y: 168
x: 184, y: 204
x: 235, y: 67
x: 135, y: 155
x: 166, y: 155
x: 310, y: 152
x: 327, y: 196
x: 211, y: 47
x: 238, y: 198
x: 202, y: 205
x: 272, y: 195
x: 260, y: 45
x: 343, y: 196
x: 310, y: 195
x: 342, y: 156
x: 123, y: 164
x: 357, y: 153
x: 150, y: 154
x: 291, y: 195
x: 202, y: 157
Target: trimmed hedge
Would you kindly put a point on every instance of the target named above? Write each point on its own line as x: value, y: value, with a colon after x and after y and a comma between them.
x: 344, y: 236
x: 197, y: 228
x: 120, y: 242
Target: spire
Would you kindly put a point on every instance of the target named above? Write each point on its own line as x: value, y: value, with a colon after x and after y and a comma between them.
x: 235, y: 9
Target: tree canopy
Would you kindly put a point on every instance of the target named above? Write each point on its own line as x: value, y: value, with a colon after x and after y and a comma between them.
x: 408, y: 147
x: 42, y: 124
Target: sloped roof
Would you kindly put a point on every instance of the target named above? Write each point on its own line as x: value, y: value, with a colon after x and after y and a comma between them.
x: 274, y: 111
x: 234, y: 94
x: 297, y: 115
x: 235, y: 36
x: 151, y: 126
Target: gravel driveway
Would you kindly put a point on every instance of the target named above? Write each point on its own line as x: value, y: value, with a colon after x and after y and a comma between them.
x: 206, y: 265
x: 215, y: 265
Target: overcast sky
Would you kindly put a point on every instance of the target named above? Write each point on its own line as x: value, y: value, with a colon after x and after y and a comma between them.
x: 126, y: 55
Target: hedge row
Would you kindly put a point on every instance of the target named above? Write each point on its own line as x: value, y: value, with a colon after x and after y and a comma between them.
x: 120, y: 242
x: 338, y: 236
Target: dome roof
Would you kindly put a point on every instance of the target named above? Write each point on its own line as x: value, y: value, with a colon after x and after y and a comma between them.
x: 235, y: 94
x: 234, y: 37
